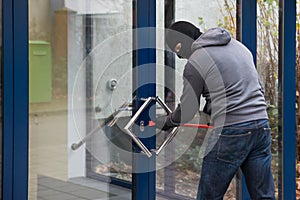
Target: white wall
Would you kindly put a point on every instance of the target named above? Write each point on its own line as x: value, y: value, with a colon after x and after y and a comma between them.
x: 94, y: 6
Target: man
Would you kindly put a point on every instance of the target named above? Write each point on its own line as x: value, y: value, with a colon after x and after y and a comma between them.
x: 222, y: 70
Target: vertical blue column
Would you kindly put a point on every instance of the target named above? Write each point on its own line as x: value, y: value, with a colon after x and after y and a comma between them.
x: 20, y: 99
x: 287, y: 91
x: 144, y: 74
x: 248, y: 38
x: 248, y: 25
x: 15, y: 99
x: 7, y: 100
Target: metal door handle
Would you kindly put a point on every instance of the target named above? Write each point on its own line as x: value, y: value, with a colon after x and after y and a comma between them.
x: 128, y: 126
x: 111, y: 120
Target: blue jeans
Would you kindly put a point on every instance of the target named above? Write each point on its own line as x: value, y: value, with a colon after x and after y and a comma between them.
x: 245, y: 146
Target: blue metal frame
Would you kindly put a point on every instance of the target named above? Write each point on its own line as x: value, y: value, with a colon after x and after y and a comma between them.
x: 248, y: 25
x: 287, y: 91
x: 144, y: 75
x: 15, y: 115
x: 20, y: 41
x: 249, y: 39
x: 7, y: 23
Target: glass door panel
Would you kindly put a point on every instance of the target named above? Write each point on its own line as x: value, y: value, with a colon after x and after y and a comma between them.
x: 200, y: 13
x: 80, y: 60
x: 112, y: 84
x: 180, y: 174
x: 267, y: 67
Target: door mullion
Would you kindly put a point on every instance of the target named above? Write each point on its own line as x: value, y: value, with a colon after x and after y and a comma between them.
x: 7, y: 114
x: 20, y: 98
x: 144, y: 74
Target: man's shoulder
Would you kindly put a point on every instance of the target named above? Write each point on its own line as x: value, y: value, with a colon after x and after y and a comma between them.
x: 201, y: 58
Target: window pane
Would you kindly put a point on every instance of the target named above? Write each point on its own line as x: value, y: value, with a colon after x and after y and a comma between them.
x: 80, y: 64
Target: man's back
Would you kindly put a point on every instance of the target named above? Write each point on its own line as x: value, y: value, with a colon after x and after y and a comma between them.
x: 229, y: 72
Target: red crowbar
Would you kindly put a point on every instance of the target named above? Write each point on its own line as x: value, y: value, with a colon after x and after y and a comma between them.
x: 152, y: 123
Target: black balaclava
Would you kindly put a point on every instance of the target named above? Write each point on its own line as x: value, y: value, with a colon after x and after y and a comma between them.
x: 184, y: 33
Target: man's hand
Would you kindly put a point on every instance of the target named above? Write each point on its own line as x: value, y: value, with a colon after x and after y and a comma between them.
x: 163, y: 123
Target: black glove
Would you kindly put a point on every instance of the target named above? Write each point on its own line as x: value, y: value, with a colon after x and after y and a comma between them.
x: 163, y: 123
x: 207, y: 108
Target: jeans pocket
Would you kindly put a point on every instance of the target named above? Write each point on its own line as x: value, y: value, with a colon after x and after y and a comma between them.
x: 233, y: 148
x: 266, y: 141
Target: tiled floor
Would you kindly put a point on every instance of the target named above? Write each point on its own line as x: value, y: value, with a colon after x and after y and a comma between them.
x: 79, y: 188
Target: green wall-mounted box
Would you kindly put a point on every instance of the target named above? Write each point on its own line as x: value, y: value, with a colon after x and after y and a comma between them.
x: 40, y: 72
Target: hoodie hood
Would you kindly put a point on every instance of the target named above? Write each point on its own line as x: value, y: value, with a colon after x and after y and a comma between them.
x: 212, y: 37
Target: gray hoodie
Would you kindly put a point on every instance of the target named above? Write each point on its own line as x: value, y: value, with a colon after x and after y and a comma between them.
x: 222, y: 70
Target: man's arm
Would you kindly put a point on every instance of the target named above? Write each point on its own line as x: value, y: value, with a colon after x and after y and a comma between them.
x: 193, y: 85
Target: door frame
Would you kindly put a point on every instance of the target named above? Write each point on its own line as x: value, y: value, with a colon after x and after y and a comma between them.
x: 143, y: 79
x: 15, y: 99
